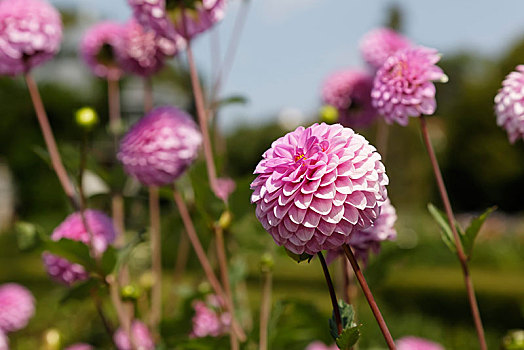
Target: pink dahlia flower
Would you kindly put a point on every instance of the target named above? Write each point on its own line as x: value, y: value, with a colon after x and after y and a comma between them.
x: 317, y: 345
x: 208, y: 320
x: 349, y: 91
x: 403, y: 86
x: 224, y: 187
x: 17, y: 306
x: 369, y: 239
x: 30, y: 34
x: 144, y: 51
x: 380, y: 43
x: 414, y: 343
x: 102, y: 229
x: 160, y: 147
x: 80, y: 346
x: 171, y: 18
x: 316, y: 185
x: 141, y: 336
x: 102, y: 49
x: 509, y: 105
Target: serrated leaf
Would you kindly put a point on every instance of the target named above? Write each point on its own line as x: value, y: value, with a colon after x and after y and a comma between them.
x: 348, y: 337
x: 441, y: 219
x: 80, y: 291
x: 468, y: 238
x: 299, y: 257
x: 347, y: 317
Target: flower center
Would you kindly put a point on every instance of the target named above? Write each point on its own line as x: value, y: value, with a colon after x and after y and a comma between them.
x: 398, y: 69
x: 106, y: 55
x: 186, y: 4
x: 300, y: 157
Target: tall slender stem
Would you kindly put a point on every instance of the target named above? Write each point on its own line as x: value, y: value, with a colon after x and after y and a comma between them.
x: 265, y: 307
x: 202, y: 118
x: 204, y: 261
x: 369, y: 296
x: 224, y: 274
x: 382, y: 138
x: 125, y: 322
x: 458, y: 243
x: 113, y: 92
x: 50, y: 142
x: 332, y: 294
x: 156, y: 252
x: 99, y: 309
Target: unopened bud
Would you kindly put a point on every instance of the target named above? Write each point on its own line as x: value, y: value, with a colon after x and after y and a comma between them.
x: 86, y: 117
x: 329, y: 114
x: 266, y: 262
x: 130, y: 293
x: 225, y: 220
x: 51, y: 340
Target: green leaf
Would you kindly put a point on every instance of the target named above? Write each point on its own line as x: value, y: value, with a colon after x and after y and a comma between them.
x: 441, y: 219
x: 27, y: 235
x: 347, y: 317
x: 468, y: 238
x: 234, y: 99
x: 299, y: 257
x: 74, y: 251
x: 348, y: 337
x: 80, y: 291
x: 109, y: 260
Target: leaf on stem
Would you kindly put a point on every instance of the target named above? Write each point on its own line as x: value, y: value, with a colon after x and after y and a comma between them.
x: 350, y: 330
x: 299, y: 257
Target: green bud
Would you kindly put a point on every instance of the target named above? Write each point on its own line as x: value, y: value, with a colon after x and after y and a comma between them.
x: 266, y: 262
x: 514, y: 340
x: 204, y: 288
x: 329, y: 114
x: 51, y: 339
x: 130, y: 292
x: 86, y: 117
x: 146, y: 280
x: 225, y: 220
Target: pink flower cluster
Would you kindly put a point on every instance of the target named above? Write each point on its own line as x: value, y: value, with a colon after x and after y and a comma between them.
x: 209, y: 321
x: 173, y: 18
x: 160, y: 147
x: 110, y: 49
x: 414, y: 343
x: 102, y: 231
x: 17, y: 306
x: 509, y: 104
x: 349, y: 91
x: 316, y: 185
x: 30, y: 34
x: 141, y: 337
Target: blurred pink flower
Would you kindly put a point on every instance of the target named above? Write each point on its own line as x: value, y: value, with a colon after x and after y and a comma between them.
x: 144, y: 52
x: 318, y: 345
x: 349, y: 91
x: 316, y: 185
x: 102, y: 49
x: 208, y: 320
x: 141, y: 336
x: 171, y: 18
x: 509, y: 104
x: 17, y: 306
x: 369, y: 239
x: 403, y: 86
x: 161, y: 146
x: 30, y: 34
x: 102, y: 229
x: 380, y: 43
x: 80, y: 346
x: 224, y: 187
x: 414, y: 343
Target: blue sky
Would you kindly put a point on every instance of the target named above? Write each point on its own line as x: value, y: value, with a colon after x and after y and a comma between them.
x: 289, y: 46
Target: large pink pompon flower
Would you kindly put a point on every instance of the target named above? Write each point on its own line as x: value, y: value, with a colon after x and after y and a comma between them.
x: 17, y: 306
x: 208, y: 320
x: 103, y: 233
x: 349, y: 91
x: 316, y: 185
x: 161, y: 146
x: 380, y: 43
x: 369, y: 239
x: 141, y: 336
x: 509, y: 105
x: 171, y: 18
x: 414, y: 343
x: 403, y: 86
x: 144, y: 51
x: 30, y: 34
x: 102, y: 49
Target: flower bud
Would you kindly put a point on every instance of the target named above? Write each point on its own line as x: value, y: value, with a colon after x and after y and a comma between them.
x: 86, y: 118
x: 130, y: 292
x: 266, y: 262
x: 52, y: 339
x: 225, y: 220
x: 328, y: 114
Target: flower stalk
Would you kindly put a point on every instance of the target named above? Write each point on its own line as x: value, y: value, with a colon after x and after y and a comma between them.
x: 369, y: 296
x: 156, y: 253
x: 332, y: 294
x: 458, y: 244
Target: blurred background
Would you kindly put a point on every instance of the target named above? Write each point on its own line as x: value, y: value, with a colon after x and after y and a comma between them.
x: 286, y: 50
